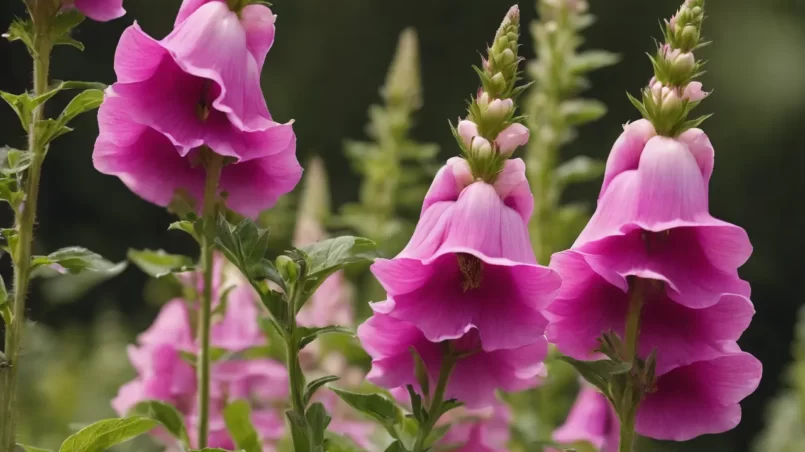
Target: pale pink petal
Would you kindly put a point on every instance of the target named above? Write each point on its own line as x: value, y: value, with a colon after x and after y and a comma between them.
x: 625, y: 154
x: 591, y: 419
x: 467, y: 130
x: 258, y: 21
x: 138, y: 56
x: 101, y: 10
x: 512, y: 186
x: 239, y: 330
x: 511, y: 138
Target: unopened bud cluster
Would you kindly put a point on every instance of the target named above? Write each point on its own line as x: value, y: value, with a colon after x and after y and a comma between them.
x: 672, y: 92
x: 491, y: 132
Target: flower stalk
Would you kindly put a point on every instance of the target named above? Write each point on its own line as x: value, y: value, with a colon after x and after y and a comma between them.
x: 435, y: 408
x: 213, y: 164
x: 42, y: 16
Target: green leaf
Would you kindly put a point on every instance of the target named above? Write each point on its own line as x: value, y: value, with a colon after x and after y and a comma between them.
x: 64, y: 288
x: 107, y: 433
x: 22, y: 105
x: 579, y: 169
x: 21, y: 30
x: 26, y: 448
x: 338, y: 443
x: 50, y: 129
x: 186, y: 226
x: 299, y: 432
x: 396, y: 446
x: 13, y: 161
x: 421, y: 373
x: 314, y: 386
x: 318, y: 420
x: 65, y: 21
x: 275, y: 304
x: 237, y: 416
x: 83, y: 102
x: 373, y: 405
x: 582, y: 111
x: 159, y: 263
x: 307, y: 335
x: 245, y: 245
x: 416, y: 405
x: 592, y: 60
x: 165, y: 414
x: 75, y: 259
x: 329, y: 255
x: 599, y: 373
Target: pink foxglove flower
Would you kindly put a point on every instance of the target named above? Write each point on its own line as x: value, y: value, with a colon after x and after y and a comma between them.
x: 98, y: 10
x: 198, y: 87
x: 507, y: 141
x: 470, y: 265
x: 476, y: 376
x: 592, y: 419
x: 485, y: 429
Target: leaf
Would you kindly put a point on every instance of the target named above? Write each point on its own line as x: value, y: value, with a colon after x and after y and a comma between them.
x: 592, y: 60
x: 449, y: 405
x: 396, y: 446
x: 299, y: 432
x: 22, y: 106
x: 318, y: 420
x: 159, y: 263
x: 185, y: 226
x: 308, y: 335
x: 50, y: 129
x: 13, y: 161
x: 237, y: 416
x: 107, y: 433
x: 26, y: 448
x: 275, y: 304
x: 245, y: 245
x: 165, y: 414
x: 373, y: 405
x: 582, y: 111
x: 65, y: 21
x: 21, y: 30
x: 338, y: 443
x: 64, y: 288
x: 329, y: 255
x: 421, y: 373
x: 74, y: 259
x: 416, y: 404
x: 598, y: 373
x: 579, y: 169
x: 83, y: 102
x: 314, y: 385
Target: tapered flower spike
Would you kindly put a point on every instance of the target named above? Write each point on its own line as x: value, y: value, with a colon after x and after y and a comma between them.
x: 673, y: 93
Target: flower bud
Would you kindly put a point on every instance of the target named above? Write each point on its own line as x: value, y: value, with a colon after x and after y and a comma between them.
x: 693, y: 92
x: 511, y: 138
x: 498, y: 82
x: 498, y: 110
x: 467, y: 130
x: 287, y: 268
x: 508, y: 57
x: 671, y: 103
x: 689, y: 38
x: 481, y: 147
x: 482, y: 100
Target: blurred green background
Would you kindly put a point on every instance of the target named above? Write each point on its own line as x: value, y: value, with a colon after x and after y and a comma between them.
x: 324, y: 70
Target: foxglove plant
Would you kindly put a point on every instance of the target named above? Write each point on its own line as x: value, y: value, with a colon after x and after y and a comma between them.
x: 652, y: 281
x: 465, y: 296
x: 591, y: 420
x: 49, y: 24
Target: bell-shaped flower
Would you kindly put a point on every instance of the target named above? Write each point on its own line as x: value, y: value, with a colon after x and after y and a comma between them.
x: 593, y: 420
x: 470, y: 265
x: 479, y: 429
x: 476, y: 376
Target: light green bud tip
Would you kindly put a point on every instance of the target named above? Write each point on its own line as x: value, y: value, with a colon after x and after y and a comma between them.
x: 403, y: 86
x: 501, y: 66
x: 287, y: 268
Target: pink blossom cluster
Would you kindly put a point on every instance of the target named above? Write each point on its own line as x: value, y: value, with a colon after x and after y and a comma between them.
x: 196, y: 89
x: 653, y: 237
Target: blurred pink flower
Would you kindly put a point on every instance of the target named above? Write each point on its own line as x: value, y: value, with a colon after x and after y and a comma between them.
x: 592, y: 419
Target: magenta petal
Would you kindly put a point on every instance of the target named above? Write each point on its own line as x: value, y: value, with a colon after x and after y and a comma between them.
x: 225, y: 139
x: 699, y: 399
x: 239, y: 330
x: 137, y: 56
x: 591, y: 419
x: 512, y: 187
x: 268, y: 424
x: 189, y: 7
x: 101, y: 10
x: 211, y: 43
x: 445, y: 186
x: 699, y: 145
x: 625, y: 154
x: 128, y: 395
x: 172, y: 326
x: 258, y: 21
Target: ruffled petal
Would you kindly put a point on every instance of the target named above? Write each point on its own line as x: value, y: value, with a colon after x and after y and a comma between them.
x: 625, y: 154
x: 512, y: 186
x: 258, y: 21
x: 138, y: 56
x: 700, y: 398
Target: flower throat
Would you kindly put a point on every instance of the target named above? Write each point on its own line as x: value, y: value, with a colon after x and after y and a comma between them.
x: 472, y: 271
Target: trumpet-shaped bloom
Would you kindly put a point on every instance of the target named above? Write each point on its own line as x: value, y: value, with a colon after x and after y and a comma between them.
x: 475, y: 377
x: 485, y: 429
x: 98, y: 10
x: 470, y: 265
x: 198, y: 87
x: 592, y: 419
x: 699, y: 398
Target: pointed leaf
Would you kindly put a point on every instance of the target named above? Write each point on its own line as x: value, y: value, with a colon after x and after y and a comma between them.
x: 165, y: 414
x: 329, y: 255
x: 318, y: 420
x: 13, y: 161
x: 373, y: 405
x: 21, y: 30
x: 308, y: 335
x: 396, y: 446
x: 106, y: 433
x: 74, y: 259
x: 582, y: 111
x: 592, y: 60
x: 314, y: 385
x: 158, y: 263
x: 83, y: 102
x: 237, y: 416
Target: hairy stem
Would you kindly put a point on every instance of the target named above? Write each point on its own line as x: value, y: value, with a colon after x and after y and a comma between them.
x: 213, y: 166
x: 628, y: 411
x: 435, y: 409
x: 25, y: 220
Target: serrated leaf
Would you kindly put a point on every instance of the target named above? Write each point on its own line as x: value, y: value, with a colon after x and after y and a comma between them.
x: 299, y: 432
x: 106, y: 433
x: 26, y: 448
x: 165, y: 414
x: 373, y: 405
x: 579, y: 169
x: 314, y: 386
x: 329, y: 255
x: 599, y: 373
x: 307, y: 335
x: 158, y: 263
x: 582, y: 111
x: 50, y: 129
x: 21, y: 30
x: 237, y: 416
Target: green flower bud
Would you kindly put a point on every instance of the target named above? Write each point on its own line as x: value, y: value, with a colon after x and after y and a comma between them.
x: 498, y: 82
x: 287, y: 268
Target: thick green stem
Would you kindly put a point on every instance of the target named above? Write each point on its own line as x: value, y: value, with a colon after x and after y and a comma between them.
x: 25, y: 220
x: 435, y: 409
x: 627, y: 436
x: 628, y: 411
x: 213, y: 165
x: 295, y: 376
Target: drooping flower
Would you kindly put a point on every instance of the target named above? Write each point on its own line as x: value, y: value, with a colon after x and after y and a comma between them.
x: 198, y: 87
x: 97, y: 10
x: 469, y: 265
x: 592, y: 419
x: 477, y: 374
x: 485, y: 429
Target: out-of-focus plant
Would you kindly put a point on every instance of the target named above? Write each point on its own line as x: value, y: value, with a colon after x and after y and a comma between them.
x: 553, y: 111
x: 785, y: 426
x: 394, y: 167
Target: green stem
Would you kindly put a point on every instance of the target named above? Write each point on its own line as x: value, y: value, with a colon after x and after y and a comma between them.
x: 25, y: 220
x: 627, y: 435
x: 633, y: 319
x: 434, y: 411
x: 213, y: 165
x: 295, y: 376
x: 634, y: 390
